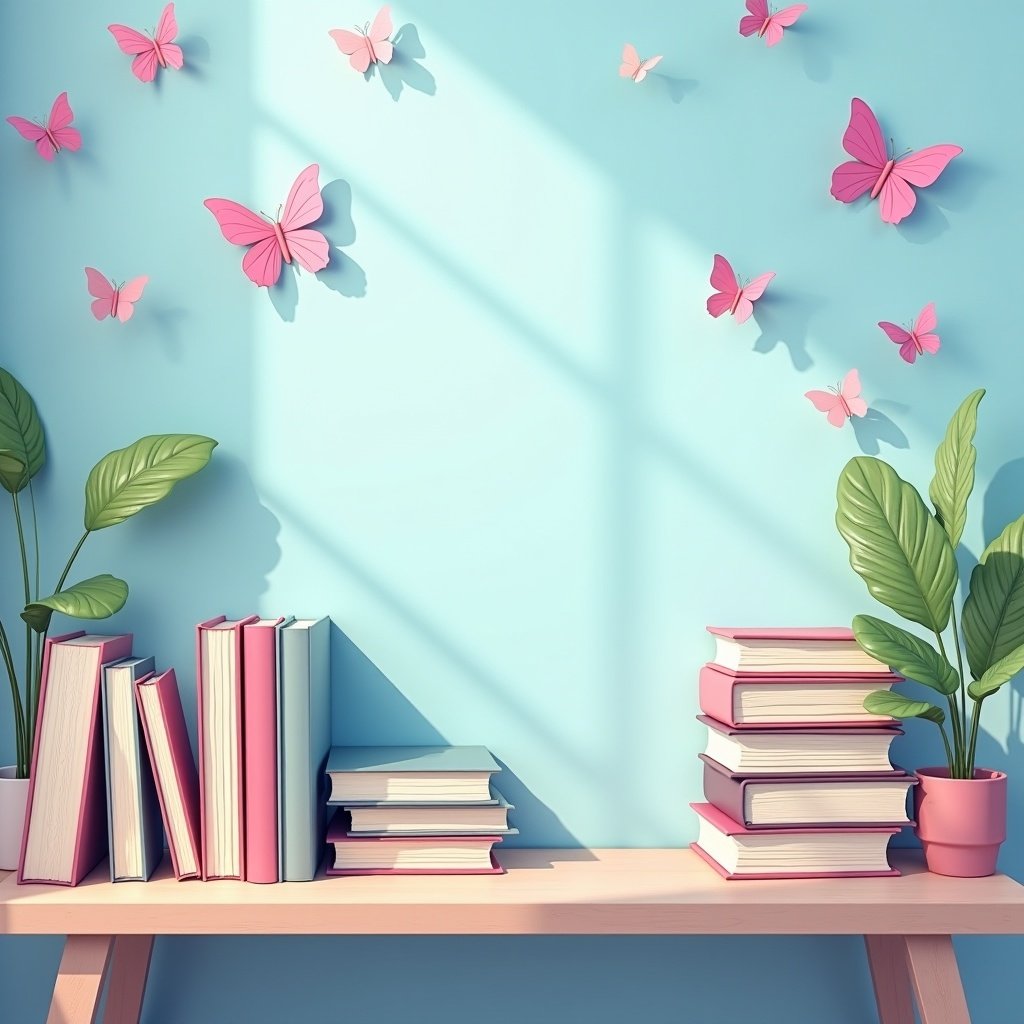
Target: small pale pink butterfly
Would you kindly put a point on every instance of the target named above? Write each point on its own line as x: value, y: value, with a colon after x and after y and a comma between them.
x: 112, y: 299
x: 765, y: 23
x: 730, y: 296
x: 369, y: 46
x: 632, y: 66
x: 53, y: 135
x: 917, y: 339
x: 151, y: 52
x: 842, y: 401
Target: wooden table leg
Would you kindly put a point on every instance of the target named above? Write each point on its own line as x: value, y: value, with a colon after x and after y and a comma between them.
x: 76, y: 992
x: 931, y: 962
x: 126, y: 987
x: 887, y: 958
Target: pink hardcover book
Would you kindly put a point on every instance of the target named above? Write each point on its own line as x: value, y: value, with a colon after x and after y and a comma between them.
x: 235, y: 627
x: 722, y: 692
x: 174, y: 770
x: 89, y: 788
x: 733, y: 795
x: 783, y: 632
x: 723, y: 824
x: 259, y: 685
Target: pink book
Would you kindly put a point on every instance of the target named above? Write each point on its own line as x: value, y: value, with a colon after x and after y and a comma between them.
x: 740, y: 847
x: 756, y: 700
x: 809, y: 650
x: 79, y: 790
x: 237, y: 767
x: 811, y: 801
x: 259, y: 684
x: 174, y: 769
x: 783, y: 632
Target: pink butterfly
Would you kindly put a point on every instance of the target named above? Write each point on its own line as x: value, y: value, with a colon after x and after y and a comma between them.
x: 158, y: 49
x: 920, y: 338
x: 273, y: 241
x: 874, y: 169
x: 632, y: 66
x: 53, y: 136
x: 765, y: 23
x: 729, y: 296
x: 112, y: 299
x: 368, y: 46
x: 842, y: 401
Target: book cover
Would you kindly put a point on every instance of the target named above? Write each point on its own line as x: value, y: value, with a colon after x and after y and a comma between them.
x: 205, y: 798
x: 88, y: 786
x: 177, y: 781
x: 304, y: 738
x: 394, y: 760
x: 260, y: 643
x: 395, y: 819
x: 147, y: 803
x: 841, y: 633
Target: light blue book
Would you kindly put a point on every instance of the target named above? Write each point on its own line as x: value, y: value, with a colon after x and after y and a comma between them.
x: 134, y: 830
x: 303, y: 740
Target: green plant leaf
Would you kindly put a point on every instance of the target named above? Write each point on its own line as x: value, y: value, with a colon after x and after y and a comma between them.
x: 21, y: 432
x: 997, y: 674
x: 909, y: 655
x: 954, y: 468
x: 94, y: 598
x: 993, y: 617
x: 12, y: 470
x: 896, y: 546
x: 133, y: 478
x: 885, y: 702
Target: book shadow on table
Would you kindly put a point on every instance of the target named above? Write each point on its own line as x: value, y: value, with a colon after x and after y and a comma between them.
x: 370, y: 710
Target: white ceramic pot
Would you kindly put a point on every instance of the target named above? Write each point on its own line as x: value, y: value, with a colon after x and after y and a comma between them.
x: 13, y: 799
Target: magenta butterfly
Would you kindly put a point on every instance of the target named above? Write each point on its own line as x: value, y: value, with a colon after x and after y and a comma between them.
x: 768, y: 24
x: 112, y: 299
x: 158, y: 50
x: 919, y: 338
x: 53, y: 135
x: 841, y: 402
x: 884, y: 176
x: 274, y: 241
x: 369, y: 46
x: 632, y: 66
x: 730, y: 296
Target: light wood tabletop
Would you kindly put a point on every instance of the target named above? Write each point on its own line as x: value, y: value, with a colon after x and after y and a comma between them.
x: 907, y: 922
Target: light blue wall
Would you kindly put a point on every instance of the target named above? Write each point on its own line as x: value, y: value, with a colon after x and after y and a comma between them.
x: 502, y: 444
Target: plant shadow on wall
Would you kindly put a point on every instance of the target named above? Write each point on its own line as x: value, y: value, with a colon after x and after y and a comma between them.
x: 342, y: 274
x: 404, y: 68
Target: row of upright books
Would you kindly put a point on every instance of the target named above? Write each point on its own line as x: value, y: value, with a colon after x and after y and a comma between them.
x: 798, y: 781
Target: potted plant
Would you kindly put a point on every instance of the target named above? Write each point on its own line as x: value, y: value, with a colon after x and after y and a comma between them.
x: 904, y: 552
x: 120, y: 484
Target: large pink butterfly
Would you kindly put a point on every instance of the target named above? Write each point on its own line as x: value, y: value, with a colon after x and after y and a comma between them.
x: 272, y: 241
x: 369, y: 46
x: 765, y: 23
x: 152, y: 51
x: 919, y: 338
x: 730, y: 296
x: 874, y: 170
x: 55, y: 134
x: 632, y: 66
x: 842, y: 401
x: 112, y: 299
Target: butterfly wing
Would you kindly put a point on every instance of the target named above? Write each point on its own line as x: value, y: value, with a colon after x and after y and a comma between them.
x: 827, y: 402
x: 59, y: 124
x: 851, y: 180
x: 129, y: 294
x: 304, y: 204
x: 863, y: 137
x: 102, y: 290
x: 923, y: 168
x: 355, y: 45
x: 309, y: 248
x: 850, y: 390
x: 380, y: 30
x: 34, y: 133
x: 924, y: 330
x: 262, y: 262
x: 645, y: 66
x: 167, y: 26
x: 789, y: 15
x: 129, y: 40
x: 755, y: 289
x: 896, y: 200
x: 630, y: 61
x: 239, y: 225
x: 898, y: 336
x: 723, y: 280
x: 144, y: 66
x: 751, y: 23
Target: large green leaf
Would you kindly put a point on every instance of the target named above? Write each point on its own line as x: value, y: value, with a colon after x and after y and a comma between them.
x: 909, y: 655
x: 954, y: 468
x: 997, y: 674
x: 12, y: 470
x: 21, y: 432
x: 896, y: 546
x: 94, y: 598
x: 885, y: 702
x: 993, y: 618
x: 133, y: 478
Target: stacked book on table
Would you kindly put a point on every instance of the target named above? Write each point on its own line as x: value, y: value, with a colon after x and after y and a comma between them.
x: 414, y: 810
x: 797, y: 777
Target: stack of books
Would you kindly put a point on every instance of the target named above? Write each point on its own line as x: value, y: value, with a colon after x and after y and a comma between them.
x: 797, y: 777
x: 414, y: 810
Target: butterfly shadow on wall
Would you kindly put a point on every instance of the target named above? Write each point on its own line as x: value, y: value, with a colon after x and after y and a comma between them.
x: 197, y: 55
x: 817, y: 47
x: 404, y: 68
x: 955, y: 190
x: 786, y: 321
x: 875, y: 428
x: 678, y: 88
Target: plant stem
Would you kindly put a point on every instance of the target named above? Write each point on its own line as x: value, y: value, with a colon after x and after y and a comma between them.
x: 954, y: 718
x: 975, y: 720
x: 71, y: 561
x: 949, y: 753
x: 19, y: 711
x: 969, y: 763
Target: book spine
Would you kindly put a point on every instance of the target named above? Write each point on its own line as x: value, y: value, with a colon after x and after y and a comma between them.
x: 259, y: 653
x: 725, y: 793
x: 716, y: 696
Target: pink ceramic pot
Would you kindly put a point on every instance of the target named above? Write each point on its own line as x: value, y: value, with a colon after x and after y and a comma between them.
x: 960, y: 822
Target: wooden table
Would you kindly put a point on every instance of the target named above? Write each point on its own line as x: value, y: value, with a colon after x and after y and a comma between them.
x: 907, y: 922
